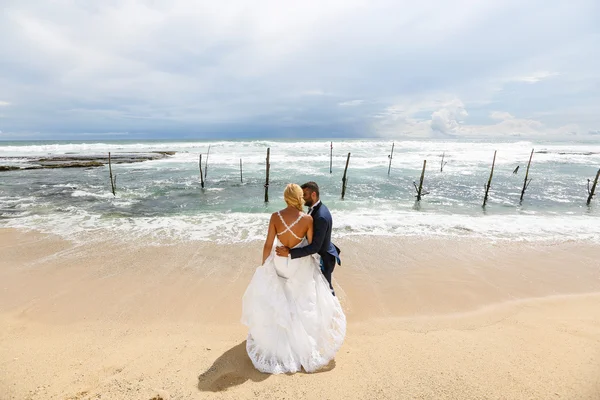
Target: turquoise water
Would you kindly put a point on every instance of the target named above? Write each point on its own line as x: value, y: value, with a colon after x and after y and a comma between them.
x: 163, y: 198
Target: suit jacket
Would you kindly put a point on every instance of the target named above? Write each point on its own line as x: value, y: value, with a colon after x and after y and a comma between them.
x: 321, y: 243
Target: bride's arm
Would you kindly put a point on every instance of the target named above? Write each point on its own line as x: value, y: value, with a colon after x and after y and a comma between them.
x: 309, y: 233
x: 270, y: 238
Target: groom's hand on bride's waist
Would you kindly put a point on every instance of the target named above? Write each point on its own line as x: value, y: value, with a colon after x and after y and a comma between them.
x: 282, y: 251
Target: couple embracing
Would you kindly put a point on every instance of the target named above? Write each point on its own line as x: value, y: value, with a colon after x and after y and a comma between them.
x: 294, y: 319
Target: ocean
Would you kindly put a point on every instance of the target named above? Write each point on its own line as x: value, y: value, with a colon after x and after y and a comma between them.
x: 162, y: 199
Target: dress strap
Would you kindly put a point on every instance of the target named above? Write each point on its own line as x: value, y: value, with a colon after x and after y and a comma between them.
x: 288, y: 228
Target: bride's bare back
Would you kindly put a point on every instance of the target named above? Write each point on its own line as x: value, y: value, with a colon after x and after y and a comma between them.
x: 300, y: 225
x: 292, y: 226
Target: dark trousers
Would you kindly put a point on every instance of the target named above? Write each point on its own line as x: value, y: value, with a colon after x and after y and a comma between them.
x: 327, y: 267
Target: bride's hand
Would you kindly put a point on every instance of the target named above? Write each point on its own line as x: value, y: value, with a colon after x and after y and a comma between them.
x: 282, y: 251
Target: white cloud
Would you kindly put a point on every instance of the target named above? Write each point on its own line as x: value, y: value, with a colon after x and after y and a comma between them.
x: 402, y: 118
x: 314, y: 92
x: 535, y: 77
x: 447, y: 117
x: 500, y: 115
x: 4, y: 103
x: 351, y: 103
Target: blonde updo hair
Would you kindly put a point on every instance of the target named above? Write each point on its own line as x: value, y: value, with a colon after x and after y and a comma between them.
x: 294, y: 196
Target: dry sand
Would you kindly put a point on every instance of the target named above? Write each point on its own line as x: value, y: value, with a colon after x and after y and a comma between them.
x: 428, y: 319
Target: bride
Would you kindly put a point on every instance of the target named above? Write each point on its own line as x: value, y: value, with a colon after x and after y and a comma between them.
x: 293, y: 319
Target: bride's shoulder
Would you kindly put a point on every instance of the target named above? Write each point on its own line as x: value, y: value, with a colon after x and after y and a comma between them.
x: 307, y: 217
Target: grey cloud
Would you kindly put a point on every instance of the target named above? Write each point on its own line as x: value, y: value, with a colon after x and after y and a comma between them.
x: 184, y: 66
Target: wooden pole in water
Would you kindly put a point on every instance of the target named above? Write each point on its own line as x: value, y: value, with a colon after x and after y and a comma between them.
x: 344, y: 179
x: 201, y: 176
x: 267, y: 182
x: 443, y: 163
x: 487, y: 188
x: 206, y: 163
x: 525, y: 182
x: 331, y: 158
x: 420, y: 189
x: 241, y: 175
x: 112, y: 179
x: 591, y: 192
x: 391, y: 156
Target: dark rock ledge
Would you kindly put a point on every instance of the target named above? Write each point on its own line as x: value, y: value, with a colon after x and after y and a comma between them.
x: 82, y: 161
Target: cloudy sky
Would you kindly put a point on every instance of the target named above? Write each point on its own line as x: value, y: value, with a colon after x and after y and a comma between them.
x: 343, y: 68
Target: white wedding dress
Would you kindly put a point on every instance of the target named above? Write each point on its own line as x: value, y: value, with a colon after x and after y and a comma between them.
x: 293, y: 319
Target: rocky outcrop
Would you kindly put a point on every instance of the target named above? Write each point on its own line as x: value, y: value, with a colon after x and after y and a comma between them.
x: 83, y: 161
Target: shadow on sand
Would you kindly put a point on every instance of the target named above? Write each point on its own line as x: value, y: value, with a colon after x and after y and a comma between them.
x: 233, y: 368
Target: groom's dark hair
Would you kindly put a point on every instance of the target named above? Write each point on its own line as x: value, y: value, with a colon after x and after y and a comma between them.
x: 312, y: 186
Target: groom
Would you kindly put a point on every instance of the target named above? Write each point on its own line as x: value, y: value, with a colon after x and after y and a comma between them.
x: 321, y: 243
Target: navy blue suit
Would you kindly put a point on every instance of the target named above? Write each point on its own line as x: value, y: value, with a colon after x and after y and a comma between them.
x: 321, y: 243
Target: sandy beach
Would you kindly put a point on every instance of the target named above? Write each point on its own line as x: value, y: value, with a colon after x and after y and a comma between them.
x: 428, y: 319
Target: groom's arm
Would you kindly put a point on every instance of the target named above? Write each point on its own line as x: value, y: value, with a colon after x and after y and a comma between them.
x: 320, y: 230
